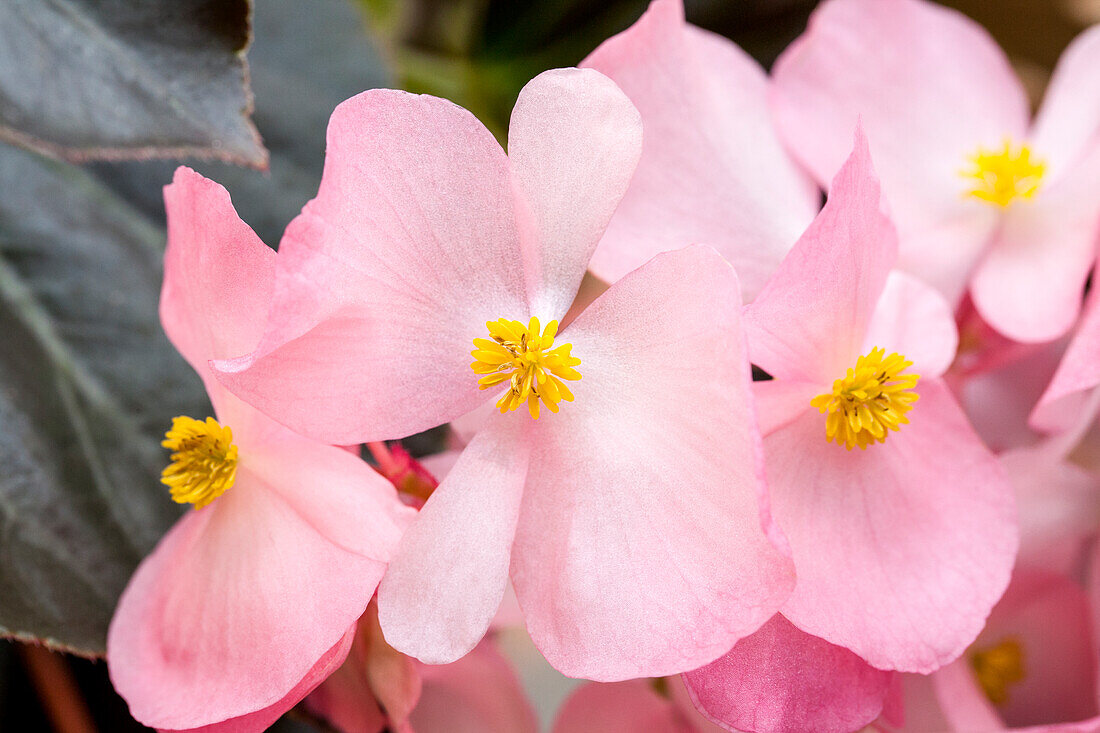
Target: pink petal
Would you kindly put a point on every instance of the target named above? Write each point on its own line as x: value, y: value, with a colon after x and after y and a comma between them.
x: 930, y: 86
x: 639, y: 550
x: 1030, y: 284
x: 712, y: 168
x: 387, y: 276
x: 901, y: 549
x: 234, y: 608
x: 780, y: 402
x: 1062, y: 405
x: 479, y: 693
x: 809, y: 321
x: 619, y: 707
x: 782, y: 680
x: 218, y: 275
x: 449, y: 573
x: 1069, y: 120
x: 573, y: 142
x: 912, y: 319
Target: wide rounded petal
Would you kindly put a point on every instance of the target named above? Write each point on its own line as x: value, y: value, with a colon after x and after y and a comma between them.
x: 388, y: 275
x: 1030, y: 284
x: 479, y: 693
x: 1068, y: 123
x: 218, y: 275
x: 451, y: 568
x: 782, y: 680
x: 930, y: 87
x: 914, y: 320
x: 573, y: 142
x: 809, y: 321
x: 619, y: 707
x: 712, y: 170
x: 235, y: 607
x: 901, y: 549
x: 640, y: 550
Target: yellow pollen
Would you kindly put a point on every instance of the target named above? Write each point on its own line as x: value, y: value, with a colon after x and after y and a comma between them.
x: 997, y: 668
x: 870, y: 400
x: 204, y: 460
x: 1002, y: 176
x: 527, y: 359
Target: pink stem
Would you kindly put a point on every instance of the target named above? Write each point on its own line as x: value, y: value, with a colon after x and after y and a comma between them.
x: 385, y: 460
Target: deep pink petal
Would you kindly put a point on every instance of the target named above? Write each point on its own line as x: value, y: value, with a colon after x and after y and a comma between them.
x: 712, y: 169
x: 901, y: 549
x: 218, y: 275
x: 809, y: 321
x: 234, y: 608
x: 1069, y: 121
x: 782, y: 680
x: 930, y: 86
x: 1029, y: 286
x: 640, y: 550
x: 388, y: 275
x: 573, y: 142
x: 913, y: 319
x: 479, y: 693
x: 450, y: 570
x: 619, y: 707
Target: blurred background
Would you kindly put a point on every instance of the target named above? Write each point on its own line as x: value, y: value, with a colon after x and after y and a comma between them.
x: 87, y: 381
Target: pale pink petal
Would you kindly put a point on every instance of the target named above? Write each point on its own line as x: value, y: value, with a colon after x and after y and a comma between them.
x: 901, y: 549
x: 640, y: 550
x: 809, y: 321
x: 681, y: 698
x: 218, y: 275
x: 234, y: 608
x: 930, y: 87
x: 1029, y: 286
x: 619, y: 707
x: 262, y: 719
x: 961, y: 700
x: 1063, y: 403
x: 479, y: 693
x: 712, y: 169
x: 388, y: 275
x: 449, y: 572
x: 780, y: 402
x: 913, y: 319
x: 782, y: 680
x: 573, y: 142
x: 1068, y: 123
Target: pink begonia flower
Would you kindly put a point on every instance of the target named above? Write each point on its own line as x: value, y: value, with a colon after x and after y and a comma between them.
x: 378, y: 688
x: 712, y: 168
x: 249, y: 602
x: 1033, y: 668
x: 659, y: 705
x: 903, y: 546
x: 1071, y: 400
x: 423, y: 237
x: 782, y: 680
x: 978, y: 195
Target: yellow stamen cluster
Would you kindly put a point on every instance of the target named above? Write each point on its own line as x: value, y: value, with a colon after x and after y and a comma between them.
x: 870, y: 400
x: 1004, y: 175
x: 204, y: 460
x: 525, y: 357
x: 997, y: 668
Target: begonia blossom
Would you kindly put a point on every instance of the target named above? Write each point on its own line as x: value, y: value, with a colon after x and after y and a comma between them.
x: 712, y: 169
x: 901, y: 523
x: 618, y: 482
x: 250, y: 600
x: 981, y: 195
x: 658, y: 705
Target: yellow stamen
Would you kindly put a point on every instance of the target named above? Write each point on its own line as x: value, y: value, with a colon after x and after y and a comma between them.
x: 997, y: 668
x: 204, y: 460
x: 870, y: 400
x: 528, y: 361
x: 1005, y: 175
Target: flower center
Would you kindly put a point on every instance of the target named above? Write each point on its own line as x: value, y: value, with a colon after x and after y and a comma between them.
x: 869, y: 400
x: 526, y: 358
x: 997, y: 668
x: 204, y: 460
x: 1002, y: 176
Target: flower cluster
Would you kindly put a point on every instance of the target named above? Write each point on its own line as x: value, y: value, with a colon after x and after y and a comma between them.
x: 805, y: 467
